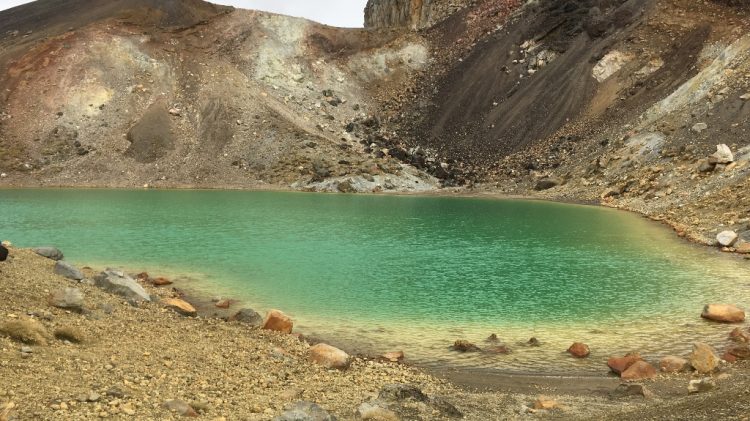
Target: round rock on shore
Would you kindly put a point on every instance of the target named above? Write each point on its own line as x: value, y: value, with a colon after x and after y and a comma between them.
x: 277, y: 321
x: 579, y: 350
x: 329, y: 356
x: 725, y: 313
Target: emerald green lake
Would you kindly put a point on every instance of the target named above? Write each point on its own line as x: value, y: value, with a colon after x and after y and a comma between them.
x: 380, y: 273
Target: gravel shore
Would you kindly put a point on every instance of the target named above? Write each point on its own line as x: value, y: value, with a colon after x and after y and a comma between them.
x: 120, y: 361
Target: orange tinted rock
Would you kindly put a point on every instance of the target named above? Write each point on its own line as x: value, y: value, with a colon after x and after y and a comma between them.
x: 223, y: 304
x: 639, y: 370
x: 703, y: 358
x: 278, y: 321
x: 329, y: 356
x: 729, y: 357
x: 546, y: 403
x: 579, y: 350
x: 160, y: 282
x: 180, y: 306
x: 672, y: 364
x: 741, y: 352
x: 725, y: 313
x: 394, y: 357
x: 620, y: 364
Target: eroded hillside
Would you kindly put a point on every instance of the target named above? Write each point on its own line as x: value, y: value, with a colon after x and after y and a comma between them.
x: 619, y: 101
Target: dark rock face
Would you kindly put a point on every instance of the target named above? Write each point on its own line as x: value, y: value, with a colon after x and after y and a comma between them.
x: 3, y: 253
x: 151, y: 137
x: 412, y: 14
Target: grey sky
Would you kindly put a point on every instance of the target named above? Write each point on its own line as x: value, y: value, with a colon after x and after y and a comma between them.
x: 346, y: 13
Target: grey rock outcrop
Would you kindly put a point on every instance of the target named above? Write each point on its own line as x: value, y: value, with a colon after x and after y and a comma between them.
x: 49, y: 252
x: 116, y: 282
x: 67, y: 270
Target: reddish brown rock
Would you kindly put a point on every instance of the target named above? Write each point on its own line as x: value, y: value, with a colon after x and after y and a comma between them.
x: 579, y: 350
x: 223, y: 304
x: 620, y: 364
x: 672, y: 364
x: 729, y: 357
x: 739, y: 335
x: 180, y: 306
x: 329, y: 356
x: 639, y: 370
x: 741, y: 352
x: 394, y: 357
x: 161, y: 282
x: 462, y: 345
x: 725, y: 313
x: 278, y: 321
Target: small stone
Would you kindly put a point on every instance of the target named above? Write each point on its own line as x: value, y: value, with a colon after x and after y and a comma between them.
x: 699, y: 127
x: 278, y: 321
x: 462, y: 345
x: 672, y: 364
x: 180, y: 306
x: 639, y: 370
x: 329, y: 356
x: 93, y: 397
x: 533, y: 342
x: 223, y: 304
x: 394, y: 357
x: 175, y: 112
x: 67, y: 270
x: 545, y: 403
x: 738, y: 335
x: 723, y: 155
x: 725, y: 313
x: 248, y: 316
x: 632, y: 389
x: 116, y: 282
x: 161, y: 282
x: 579, y: 350
x: 741, y: 352
x: 702, y: 385
x: 727, y: 238
x: 180, y: 407
x: 703, y: 358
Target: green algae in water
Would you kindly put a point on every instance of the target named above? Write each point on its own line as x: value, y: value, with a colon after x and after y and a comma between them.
x: 380, y: 272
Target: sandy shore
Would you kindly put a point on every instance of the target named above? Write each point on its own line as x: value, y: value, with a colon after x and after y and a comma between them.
x: 132, y: 359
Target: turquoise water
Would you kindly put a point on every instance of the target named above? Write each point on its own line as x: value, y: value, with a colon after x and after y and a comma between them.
x: 375, y: 273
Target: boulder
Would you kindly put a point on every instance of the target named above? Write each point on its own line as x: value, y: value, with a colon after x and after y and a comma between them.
x: 620, y: 364
x: 462, y: 345
x: 278, y: 321
x: 639, y: 370
x: 723, y: 155
x: 703, y: 358
x: 329, y: 356
x: 394, y: 357
x: 725, y: 313
x: 702, y: 385
x: 248, y: 316
x: 672, y: 364
x: 180, y: 306
x: 3, y: 253
x: 67, y: 270
x: 116, y: 282
x: 68, y: 299
x: 741, y: 352
x: 727, y: 238
x: 180, y: 408
x: 49, y: 252
x: 579, y: 350
x: 305, y: 411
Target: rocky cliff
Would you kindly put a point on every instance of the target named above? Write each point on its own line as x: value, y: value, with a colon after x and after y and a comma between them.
x: 412, y: 14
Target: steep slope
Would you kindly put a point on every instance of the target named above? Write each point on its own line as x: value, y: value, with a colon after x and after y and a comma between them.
x: 184, y: 93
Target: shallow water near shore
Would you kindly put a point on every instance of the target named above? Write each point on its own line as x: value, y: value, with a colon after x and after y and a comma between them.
x: 380, y: 273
